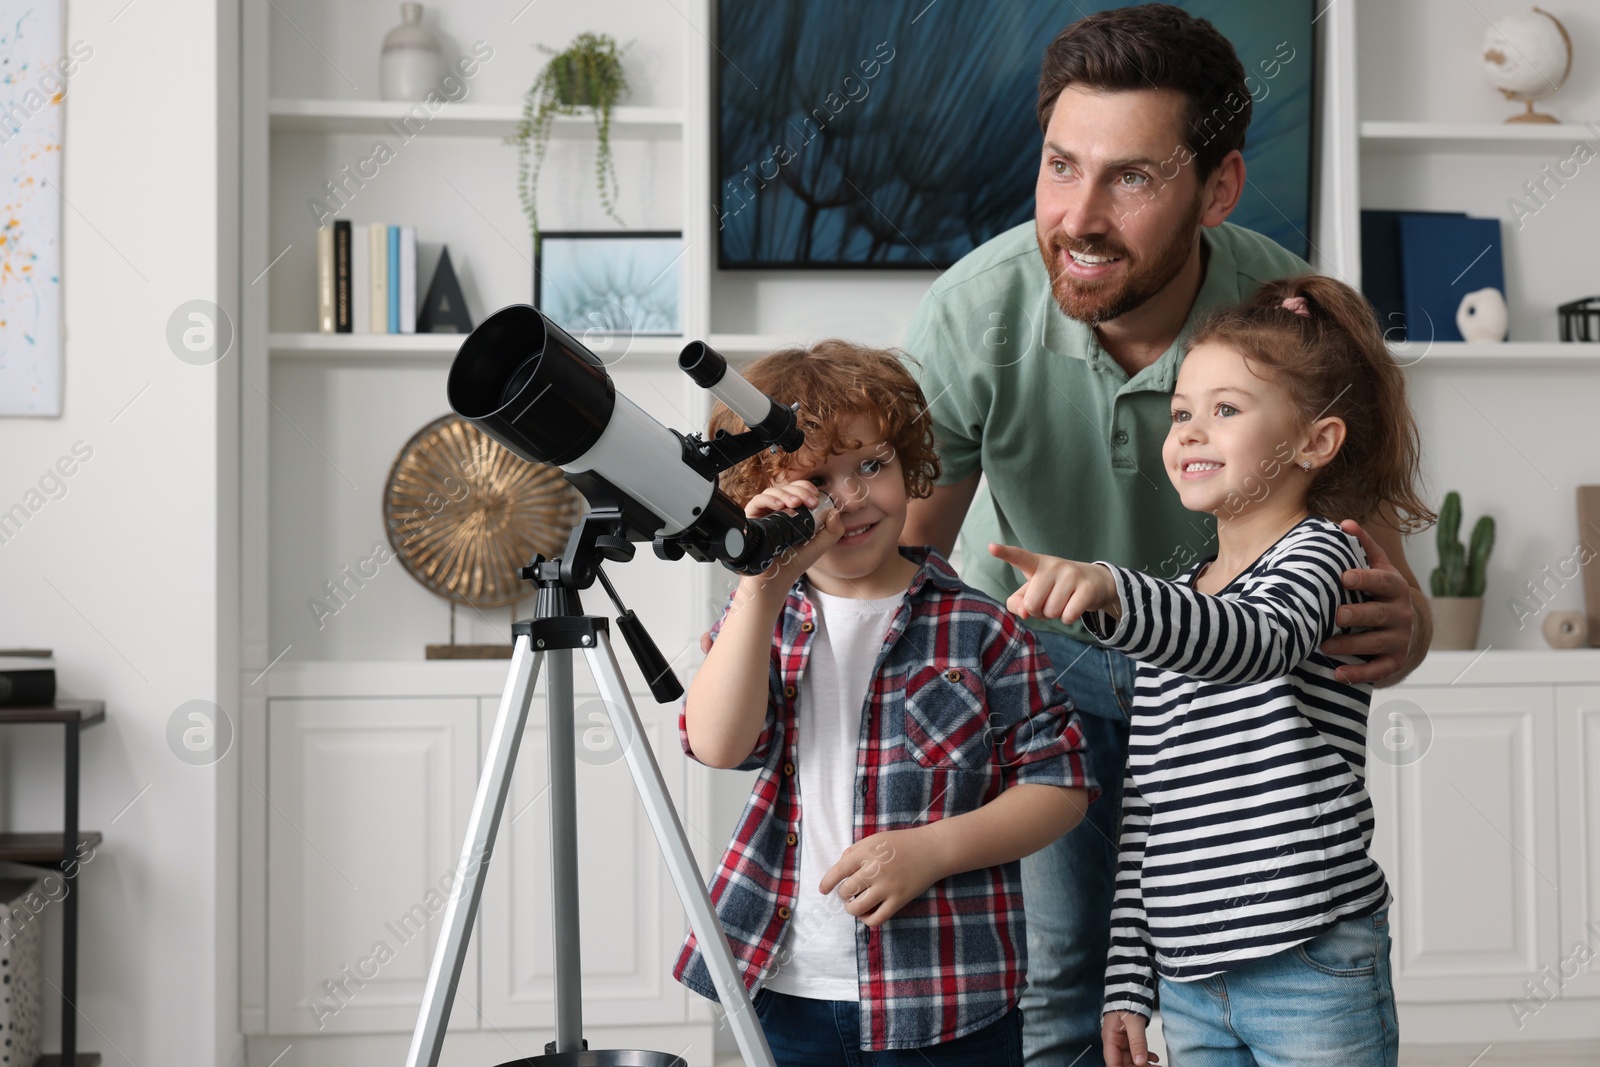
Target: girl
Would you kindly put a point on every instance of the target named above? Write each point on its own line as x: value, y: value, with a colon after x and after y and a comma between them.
x: 1244, y: 877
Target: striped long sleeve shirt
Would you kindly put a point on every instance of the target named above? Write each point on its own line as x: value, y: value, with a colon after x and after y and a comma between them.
x: 1245, y: 816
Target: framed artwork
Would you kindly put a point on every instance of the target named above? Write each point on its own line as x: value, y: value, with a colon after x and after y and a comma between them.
x: 596, y: 281
x: 903, y: 134
x: 31, y: 100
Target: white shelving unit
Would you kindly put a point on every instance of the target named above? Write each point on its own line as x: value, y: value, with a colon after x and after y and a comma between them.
x: 463, y: 119
x: 435, y: 345
x: 1507, y: 355
x: 359, y: 756
x: 1533, y: 139
x: 1494, y: 879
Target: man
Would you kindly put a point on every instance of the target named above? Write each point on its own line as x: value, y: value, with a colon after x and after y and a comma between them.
x: 1048, y: 356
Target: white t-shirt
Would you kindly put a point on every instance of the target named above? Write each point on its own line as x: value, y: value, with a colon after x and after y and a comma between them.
x: 822, y: 935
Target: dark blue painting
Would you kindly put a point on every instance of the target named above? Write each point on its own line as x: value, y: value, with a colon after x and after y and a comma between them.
x: 903, y: 134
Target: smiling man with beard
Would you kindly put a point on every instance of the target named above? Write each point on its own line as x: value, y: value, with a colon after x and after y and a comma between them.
x: 1049, y: 356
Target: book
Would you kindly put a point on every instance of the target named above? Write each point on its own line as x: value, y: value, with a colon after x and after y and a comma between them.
x: 360, y: 280
x: 1381, y: 280
x: 27, y: 688
x: 1442, y: 259
x: 408, y: 279
x: 394, y: 280
x: 325, y: 279
x: 378, y: 264
x: 341, y: 275
x: 27, y: 678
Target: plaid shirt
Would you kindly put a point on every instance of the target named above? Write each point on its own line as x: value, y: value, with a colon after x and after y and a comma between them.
x: 962, y: 705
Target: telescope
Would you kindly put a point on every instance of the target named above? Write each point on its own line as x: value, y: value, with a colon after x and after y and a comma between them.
x: 529, y: 385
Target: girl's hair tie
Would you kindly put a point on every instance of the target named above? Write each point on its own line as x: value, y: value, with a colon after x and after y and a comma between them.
x: 1297, y: 304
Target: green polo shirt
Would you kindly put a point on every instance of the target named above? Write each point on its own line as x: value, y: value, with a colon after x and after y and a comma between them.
x: 1069, y: 444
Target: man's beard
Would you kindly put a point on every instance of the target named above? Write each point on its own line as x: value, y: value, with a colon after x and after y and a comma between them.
x: 1095, y: 302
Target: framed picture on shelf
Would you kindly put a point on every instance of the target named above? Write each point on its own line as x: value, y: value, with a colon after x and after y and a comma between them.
x: 596, y: 281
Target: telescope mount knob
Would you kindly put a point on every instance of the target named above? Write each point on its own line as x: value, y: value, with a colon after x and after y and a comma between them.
x: 615, y: 548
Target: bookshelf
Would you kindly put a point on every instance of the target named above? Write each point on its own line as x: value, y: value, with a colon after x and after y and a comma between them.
x: 1485, y: 137
x: 462, y: 119
x: 323, y: 417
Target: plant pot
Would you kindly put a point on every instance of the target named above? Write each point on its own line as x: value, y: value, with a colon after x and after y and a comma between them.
x: 574, y: 84
x: 1455, y: 622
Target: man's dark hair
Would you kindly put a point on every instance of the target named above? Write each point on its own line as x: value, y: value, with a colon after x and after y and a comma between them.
x: 1156, y: 46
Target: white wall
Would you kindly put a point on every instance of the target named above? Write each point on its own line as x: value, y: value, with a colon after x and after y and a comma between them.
x: 128, y: 575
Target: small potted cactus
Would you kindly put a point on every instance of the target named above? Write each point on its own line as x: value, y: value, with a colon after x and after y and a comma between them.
x: 1458, y: 579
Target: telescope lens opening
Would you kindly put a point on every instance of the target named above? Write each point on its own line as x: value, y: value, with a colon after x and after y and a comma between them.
x: 520, y: 377
x: 526, y: 383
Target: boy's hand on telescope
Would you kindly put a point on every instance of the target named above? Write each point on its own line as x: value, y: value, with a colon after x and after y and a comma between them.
x: 1057, y: 588
x: 880, y: 874
x: 793, y: 562
x: 1122, y: 1040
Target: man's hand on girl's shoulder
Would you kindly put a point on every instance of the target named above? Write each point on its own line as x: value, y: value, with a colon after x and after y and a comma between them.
x: 1388, y: 619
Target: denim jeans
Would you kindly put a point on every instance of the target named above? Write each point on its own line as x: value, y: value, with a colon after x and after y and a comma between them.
x: 827, y: 1033
x: 1067, y: 886
x: 1327, y: 1001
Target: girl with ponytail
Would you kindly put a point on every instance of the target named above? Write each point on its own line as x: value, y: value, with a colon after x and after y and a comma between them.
x: 1245, y: 881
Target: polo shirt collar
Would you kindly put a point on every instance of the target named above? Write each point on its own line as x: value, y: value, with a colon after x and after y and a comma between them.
x: 1070, y: 337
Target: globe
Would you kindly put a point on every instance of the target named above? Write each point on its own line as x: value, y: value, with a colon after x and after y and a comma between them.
x: 1527, y: 57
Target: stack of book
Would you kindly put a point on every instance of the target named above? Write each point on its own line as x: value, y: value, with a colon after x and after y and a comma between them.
x: 366, y: 278
x: 1417, y: 265
x: 27, y: 678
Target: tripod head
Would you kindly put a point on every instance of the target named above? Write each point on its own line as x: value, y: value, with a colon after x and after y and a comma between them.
x: 600, y: 535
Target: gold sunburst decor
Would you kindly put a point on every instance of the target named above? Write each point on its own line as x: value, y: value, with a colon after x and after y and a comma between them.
x: 462, y: 513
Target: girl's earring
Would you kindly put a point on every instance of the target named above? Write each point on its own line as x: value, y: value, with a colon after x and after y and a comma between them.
x: 1306, y: 464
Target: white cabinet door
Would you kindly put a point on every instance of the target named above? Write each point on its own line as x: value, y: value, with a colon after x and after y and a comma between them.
x: 630, y: 920
x: 1578, y: 774
x: 367, y: 806
x: 1476, y: 874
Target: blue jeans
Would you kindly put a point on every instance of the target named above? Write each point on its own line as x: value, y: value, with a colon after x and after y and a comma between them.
x: 827, y: 1033
x: 1067, y: 885
x: 1328, y: 1001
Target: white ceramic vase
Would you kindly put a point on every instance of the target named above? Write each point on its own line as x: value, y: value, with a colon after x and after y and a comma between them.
x: 412, y: 65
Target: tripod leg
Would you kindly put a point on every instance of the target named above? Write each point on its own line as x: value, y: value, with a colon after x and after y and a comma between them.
x: 451, y: 952
x: 564, y: 851
x: 674, y: 844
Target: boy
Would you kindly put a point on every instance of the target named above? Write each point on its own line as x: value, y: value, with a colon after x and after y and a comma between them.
x: 908, y: 718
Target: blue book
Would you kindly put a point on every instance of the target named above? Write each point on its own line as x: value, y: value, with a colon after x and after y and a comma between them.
x: 1381, y: 280
x: 1443, y: 258
x: 394, y: 279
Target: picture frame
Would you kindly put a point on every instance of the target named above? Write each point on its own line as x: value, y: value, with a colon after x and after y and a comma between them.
x: 610, y: 282
x: 872, y: 145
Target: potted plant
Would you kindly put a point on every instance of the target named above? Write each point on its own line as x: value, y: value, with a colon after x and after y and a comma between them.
x: 1458, y: 579
x: 587, y: 73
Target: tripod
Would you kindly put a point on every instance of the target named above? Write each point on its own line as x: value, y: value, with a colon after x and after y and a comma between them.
x: 558, y: 628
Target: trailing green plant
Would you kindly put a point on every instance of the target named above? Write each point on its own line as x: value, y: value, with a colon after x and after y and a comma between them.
x: 587, y: 73
x: 1461, y: 570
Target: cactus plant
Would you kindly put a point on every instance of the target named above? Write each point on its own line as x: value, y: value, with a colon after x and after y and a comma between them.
x: 1461, y: 570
